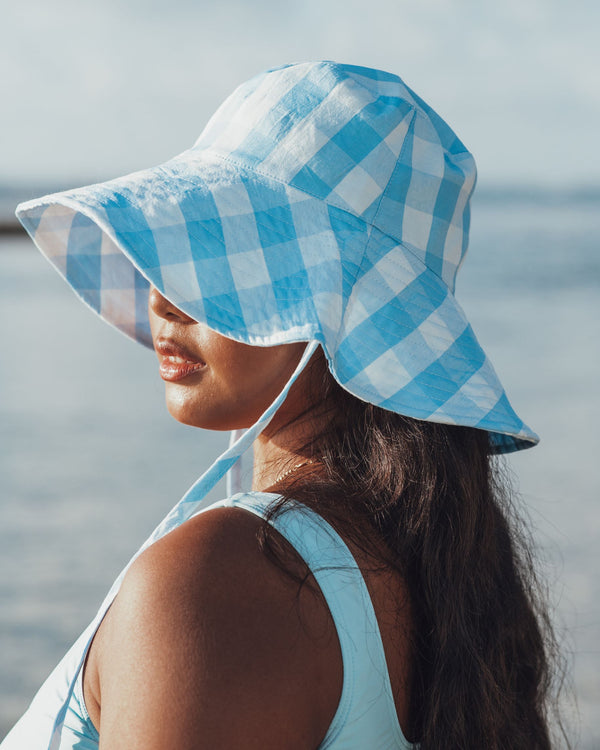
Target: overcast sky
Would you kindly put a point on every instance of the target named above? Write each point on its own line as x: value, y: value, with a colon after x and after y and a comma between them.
x: 91, y: 90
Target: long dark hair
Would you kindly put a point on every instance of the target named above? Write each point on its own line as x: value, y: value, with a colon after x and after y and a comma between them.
x: 430, y: 502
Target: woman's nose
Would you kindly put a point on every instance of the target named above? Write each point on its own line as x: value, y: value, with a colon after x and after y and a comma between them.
x: 161, y: 306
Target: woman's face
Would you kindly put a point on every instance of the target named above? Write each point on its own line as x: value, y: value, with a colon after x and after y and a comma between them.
x: 212, y: 381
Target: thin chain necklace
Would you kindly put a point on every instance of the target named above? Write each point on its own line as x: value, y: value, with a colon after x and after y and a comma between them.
x: 285, y: 474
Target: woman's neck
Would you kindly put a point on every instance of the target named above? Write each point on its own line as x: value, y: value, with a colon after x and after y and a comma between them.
x: 279, y: 454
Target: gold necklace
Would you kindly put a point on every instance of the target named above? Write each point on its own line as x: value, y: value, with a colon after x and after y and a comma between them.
x: 292, y: 470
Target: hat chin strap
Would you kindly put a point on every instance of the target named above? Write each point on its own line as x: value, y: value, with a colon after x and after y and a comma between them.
x: 234, y: 475
x: 240, y: 441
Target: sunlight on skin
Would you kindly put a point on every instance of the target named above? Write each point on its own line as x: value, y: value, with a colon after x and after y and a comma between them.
x: 216, y: 383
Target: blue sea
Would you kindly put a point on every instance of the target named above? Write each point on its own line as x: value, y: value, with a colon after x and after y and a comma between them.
x: 90, y: 460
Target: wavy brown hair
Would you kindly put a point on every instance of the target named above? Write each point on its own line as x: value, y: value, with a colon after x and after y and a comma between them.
x: 428, y: 501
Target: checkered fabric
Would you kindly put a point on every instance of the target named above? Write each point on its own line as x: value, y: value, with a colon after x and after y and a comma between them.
x: 322, y: 202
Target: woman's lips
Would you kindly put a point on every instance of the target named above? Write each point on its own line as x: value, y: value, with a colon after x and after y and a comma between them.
x: 176, y: 363
x: 173, y: 369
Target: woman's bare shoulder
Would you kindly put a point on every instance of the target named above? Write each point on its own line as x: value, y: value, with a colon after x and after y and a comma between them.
x: 211, y: 644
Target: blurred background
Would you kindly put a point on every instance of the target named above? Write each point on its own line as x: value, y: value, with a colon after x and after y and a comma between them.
x: 90, y: 461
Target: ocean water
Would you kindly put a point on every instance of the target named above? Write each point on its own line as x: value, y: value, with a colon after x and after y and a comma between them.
x: 90, y: 459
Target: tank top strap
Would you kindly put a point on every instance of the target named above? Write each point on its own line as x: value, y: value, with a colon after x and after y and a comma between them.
x: 366, y: 715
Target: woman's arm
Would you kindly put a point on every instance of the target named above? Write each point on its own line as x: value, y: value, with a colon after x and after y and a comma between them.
x: 210, y: 645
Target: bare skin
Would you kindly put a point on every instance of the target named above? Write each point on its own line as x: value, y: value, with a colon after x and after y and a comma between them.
x: 208, y: 643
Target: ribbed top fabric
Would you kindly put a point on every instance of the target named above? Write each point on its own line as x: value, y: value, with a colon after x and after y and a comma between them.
x: 366, y: 715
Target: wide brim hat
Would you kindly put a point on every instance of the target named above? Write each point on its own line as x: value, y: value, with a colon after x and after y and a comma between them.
x: 322, y: 203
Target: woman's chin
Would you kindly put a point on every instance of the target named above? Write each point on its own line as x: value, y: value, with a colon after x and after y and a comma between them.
x: 194, y: 415
x: 180, y: 408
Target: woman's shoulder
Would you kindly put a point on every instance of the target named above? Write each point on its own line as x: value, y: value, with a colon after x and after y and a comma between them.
x: 218, y: 546
x: 206, y: 619
x: 212, y: 569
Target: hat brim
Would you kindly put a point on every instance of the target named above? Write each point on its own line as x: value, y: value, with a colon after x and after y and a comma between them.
x: 264, y: 263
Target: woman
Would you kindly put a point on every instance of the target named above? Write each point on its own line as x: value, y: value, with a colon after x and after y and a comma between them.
x: 294, y: 272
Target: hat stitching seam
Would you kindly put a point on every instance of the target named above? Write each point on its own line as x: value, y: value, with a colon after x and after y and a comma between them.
x: 396, y: 166
x: 406, y: 246
x: 371, y: 226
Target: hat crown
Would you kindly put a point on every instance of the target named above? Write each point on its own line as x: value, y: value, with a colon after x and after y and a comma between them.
x: 360, y: 140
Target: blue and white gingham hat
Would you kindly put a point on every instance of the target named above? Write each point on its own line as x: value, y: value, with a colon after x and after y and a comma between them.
x: 322, y: 202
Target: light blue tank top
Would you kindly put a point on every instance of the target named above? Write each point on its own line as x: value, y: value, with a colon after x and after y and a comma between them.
x: 366, y: 715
